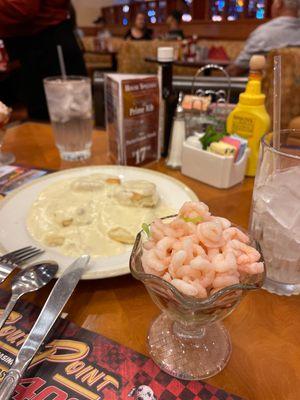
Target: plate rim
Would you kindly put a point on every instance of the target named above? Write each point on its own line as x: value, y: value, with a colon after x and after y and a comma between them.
x: 122, y: 270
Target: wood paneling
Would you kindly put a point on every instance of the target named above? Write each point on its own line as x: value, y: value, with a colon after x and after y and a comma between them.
x: 231, y: 30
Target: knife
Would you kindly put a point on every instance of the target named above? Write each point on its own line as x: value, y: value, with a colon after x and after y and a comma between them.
x: 54, y: 305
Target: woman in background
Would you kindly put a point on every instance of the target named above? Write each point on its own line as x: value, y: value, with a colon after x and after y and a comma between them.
x: 173, y: 22
x: 139, y: 30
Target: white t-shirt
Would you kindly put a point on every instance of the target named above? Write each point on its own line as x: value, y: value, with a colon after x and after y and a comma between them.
x: 278, y: 33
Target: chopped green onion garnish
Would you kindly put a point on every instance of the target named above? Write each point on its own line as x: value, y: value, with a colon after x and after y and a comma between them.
x: 146, y: 229
x: 195, y: 220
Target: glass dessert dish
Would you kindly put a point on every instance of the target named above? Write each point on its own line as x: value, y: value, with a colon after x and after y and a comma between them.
x: 187, y: 340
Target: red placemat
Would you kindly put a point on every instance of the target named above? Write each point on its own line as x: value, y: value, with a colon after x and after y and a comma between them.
x: 78, y: 364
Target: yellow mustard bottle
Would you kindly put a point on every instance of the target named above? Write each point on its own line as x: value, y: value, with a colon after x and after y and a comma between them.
x: 250, y: 119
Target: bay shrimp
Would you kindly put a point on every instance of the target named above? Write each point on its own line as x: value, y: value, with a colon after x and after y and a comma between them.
x: 210, y: 234
x: 194, y: 209
x: 223, y: 280
x: 207, y: 279
x: 201, y: 264
x: 254, y: 268
x: 151, y: 261
x: 224, y: 221
x: 187, y: 271
x: 164, y: 247
x: 224, y: 262
x: 177, y: 261
x: 235, y: 233
x: 248, y: 254
x: 184, y: 287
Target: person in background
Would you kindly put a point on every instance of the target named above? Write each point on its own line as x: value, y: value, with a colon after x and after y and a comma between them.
x: 282, y: 31
x: 31, y: 30
x: 139, y: 30
x: 173, y: 22
x: 103, y: 33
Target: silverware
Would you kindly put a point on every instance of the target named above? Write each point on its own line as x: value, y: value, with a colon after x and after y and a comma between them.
x: 10, y: 261
x: 56, y: 301
x: 29, y: 280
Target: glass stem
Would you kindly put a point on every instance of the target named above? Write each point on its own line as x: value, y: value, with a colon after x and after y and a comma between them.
x: 188, y: 331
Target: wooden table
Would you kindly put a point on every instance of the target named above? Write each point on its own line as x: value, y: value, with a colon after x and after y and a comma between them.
x: 265, y: 362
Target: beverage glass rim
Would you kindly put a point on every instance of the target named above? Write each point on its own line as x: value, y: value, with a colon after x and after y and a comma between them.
x: 68, y: 78
x: 278, y: 152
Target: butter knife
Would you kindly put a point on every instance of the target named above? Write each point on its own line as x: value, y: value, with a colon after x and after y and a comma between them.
x: 54, y: 305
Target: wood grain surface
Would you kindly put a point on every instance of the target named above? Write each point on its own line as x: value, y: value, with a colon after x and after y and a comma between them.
x: 265, y: 361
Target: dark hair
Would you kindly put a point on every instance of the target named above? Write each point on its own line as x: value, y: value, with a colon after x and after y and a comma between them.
x: 176, y: 15
x: 140, y: 13
x: 99, y: 20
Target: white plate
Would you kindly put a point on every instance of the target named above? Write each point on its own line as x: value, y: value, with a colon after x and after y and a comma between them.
x: 14, y: 210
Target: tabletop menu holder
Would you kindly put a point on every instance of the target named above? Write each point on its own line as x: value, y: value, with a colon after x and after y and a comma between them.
x: 78, y: 364
x: 132, y: 109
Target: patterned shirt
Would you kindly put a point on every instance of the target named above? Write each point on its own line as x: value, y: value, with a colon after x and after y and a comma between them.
x: 277, y: 33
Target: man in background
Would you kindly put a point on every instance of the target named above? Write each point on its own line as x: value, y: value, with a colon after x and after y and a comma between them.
x: 32, y: 30
x: 282, y: 31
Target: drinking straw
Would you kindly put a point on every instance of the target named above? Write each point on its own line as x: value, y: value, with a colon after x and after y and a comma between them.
x: 61, y: 62
x: 277, y: 102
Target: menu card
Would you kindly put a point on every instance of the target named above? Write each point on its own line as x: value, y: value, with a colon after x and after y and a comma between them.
x: 77, y: 364
x: 132, y: 117
x: 12, y: 177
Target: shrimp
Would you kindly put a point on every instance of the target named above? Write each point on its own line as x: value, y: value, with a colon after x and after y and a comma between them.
x: 210, y: 234
x: 167, y: 277
x: 211, y: 253
x: 181, y: 227
x: 151, y: 261
x: 235, y: 233
x: 254, y: 268
x: 164, y: 247
x: 193, y: 209
x: 248, y: 254
x: 187, y: 245
x: 224, y: 262
x: 198, y: 250
x: 201, y: 264
x: 207, y: 279
x: 223, y: 280
x: 184, y: 287
x: 224, y: 222
x: 202, y: 292
x: 150, y: 244
x: 177, y: 261
x: 156, y: 231
x: 187, y: 271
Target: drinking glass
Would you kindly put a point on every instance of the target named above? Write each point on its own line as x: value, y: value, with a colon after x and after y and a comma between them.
x: 275, y: 219
x: 187, y: 340
x: 70, y: 107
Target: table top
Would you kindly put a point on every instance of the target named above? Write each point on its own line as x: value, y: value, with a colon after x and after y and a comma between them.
x: 196, y: 64
x: 265, y: 361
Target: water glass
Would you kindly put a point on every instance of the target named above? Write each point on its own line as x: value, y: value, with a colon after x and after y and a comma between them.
x: 70, y: 107
x: 275, y: 219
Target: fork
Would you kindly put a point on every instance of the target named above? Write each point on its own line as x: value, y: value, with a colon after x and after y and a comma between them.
x: 9, y: 261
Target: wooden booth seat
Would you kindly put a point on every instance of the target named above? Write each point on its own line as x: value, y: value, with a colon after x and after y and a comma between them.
x: 131, y: 54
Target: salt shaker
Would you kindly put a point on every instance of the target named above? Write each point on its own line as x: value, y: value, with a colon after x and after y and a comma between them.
x: 177, y: 137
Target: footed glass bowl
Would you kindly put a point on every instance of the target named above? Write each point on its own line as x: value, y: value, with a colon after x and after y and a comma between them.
x: 187, y: 340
